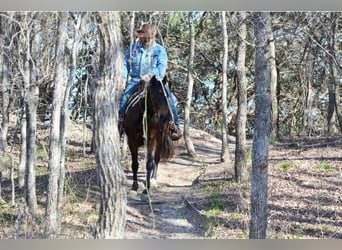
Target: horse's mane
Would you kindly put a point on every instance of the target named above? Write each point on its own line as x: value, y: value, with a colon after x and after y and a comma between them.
x: 158, y: 117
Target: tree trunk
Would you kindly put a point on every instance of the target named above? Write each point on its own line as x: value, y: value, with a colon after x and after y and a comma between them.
x: 274, y: 88
x: 241, y: 172
x: 23, y: 142
x: 4, y: 86
x: 307, y: 120
x: 112, y: 214
x: 224, y: 128
x: 5, y: 89
x: 56, y: 157
x: 188, y: 142
x: 331, y: 119
x: 336, y: 72
x: 262, y: 31
x: 31, y: 98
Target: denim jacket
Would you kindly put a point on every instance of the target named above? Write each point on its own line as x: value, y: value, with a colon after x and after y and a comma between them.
x: 138, y: 65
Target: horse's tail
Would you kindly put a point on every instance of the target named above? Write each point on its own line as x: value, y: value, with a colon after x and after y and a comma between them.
x: 167, y: 147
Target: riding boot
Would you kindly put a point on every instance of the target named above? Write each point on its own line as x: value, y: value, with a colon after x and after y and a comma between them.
x: 176, y: 133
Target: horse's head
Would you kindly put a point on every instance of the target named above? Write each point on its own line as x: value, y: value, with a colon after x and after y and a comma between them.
x: 158, y: 96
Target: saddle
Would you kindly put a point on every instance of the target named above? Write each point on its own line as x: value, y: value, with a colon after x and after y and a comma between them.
x: 137, y: 95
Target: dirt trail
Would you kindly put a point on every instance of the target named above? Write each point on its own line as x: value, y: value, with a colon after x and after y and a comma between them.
x: 172, y: 218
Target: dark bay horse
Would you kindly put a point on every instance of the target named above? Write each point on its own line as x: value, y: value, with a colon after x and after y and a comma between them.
x: 154, y: 130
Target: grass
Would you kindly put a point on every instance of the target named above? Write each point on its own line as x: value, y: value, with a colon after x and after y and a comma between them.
x: 286, y: 165
x: 217, y: 202
x: 249, y: 155
x: 72, y: 154
x: 42, y: 151
x: 323, y: 166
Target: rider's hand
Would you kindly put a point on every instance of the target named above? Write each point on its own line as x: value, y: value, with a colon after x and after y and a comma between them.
x: 122, y: 87
x: 146, y: 78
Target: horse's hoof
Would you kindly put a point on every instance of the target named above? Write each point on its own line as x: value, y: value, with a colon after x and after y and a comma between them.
x: 153, y: 183
x: 144, y: 196
x: 132, y: 193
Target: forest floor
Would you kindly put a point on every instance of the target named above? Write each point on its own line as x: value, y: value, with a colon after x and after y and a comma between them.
x: 196, y: 198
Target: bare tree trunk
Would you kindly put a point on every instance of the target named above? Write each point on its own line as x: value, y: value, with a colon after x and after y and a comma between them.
x: 5, y: 89
x: 112, y: 214
x: 132, y: 36
x: 23, y: 142
x: 4, y: 85
x: 307, y: 120
x: 331, y: 119
x: 258, y: 221
x: 31, y: 98
x: 336, y: 72
x: 188, y: 142
x: 224, y: 128
x: 241, y: 172
x: 56, y: 161
x: 274, y: 88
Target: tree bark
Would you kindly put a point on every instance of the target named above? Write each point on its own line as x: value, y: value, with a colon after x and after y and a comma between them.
x: 258, y: 221
x: 307, y: 119
x: 112, y: 214
x: 332, y: 82
x: 224, y: 128
x: 31, y: 99
x: 23, y: 142
x: 336, y: 73
x: 188, y: 142
x: 56, y: 157
x: 274, y: 88
x: 241, y: 172
x: 5, y: 102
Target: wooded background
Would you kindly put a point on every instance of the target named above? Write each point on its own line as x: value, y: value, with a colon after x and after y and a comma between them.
x: 56, y: 67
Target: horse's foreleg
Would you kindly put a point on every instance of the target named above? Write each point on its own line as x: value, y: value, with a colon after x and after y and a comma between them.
x: 135, y: 167
x: 149, y: 169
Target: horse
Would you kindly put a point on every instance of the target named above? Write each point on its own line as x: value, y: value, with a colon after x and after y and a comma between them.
x: 148, y: 119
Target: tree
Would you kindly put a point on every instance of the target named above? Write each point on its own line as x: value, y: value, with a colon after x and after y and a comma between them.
x: 274, y: 88
x: 30, y: 75
x: 4, y: 91
x: 262, y: 31
x: 241, y: 172
x: 225, y: 149
x: 57, y: 137
x: 338, y: 71
x: 188, y: 143
x: 335, y: 87
x: 307, y: 119
x: 112, y: 214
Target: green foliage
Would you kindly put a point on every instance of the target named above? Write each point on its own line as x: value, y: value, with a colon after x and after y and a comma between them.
x: 217, y: 202
x: 286, y: 165
x: 125, y: 165
x: 42, y: 151
x: 323, y: 166
x: 72, y: 154
x: 249, y: 154
x: 8, y: 215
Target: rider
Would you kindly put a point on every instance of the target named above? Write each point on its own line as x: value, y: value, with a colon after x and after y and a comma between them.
x: 143, y: 60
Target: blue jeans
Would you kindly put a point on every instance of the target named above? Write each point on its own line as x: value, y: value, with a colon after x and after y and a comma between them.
x: 129, y: 90
x: 172, y: 105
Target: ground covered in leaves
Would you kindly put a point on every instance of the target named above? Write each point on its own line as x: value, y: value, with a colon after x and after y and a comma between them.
x: 196, y: 198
